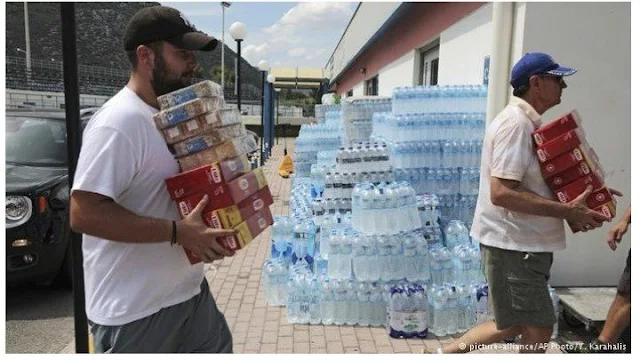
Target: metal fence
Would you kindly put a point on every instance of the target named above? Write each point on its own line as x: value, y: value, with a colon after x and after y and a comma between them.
x: 47, y: 76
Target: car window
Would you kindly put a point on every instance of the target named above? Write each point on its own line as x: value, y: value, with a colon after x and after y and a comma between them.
x: 35, y: 141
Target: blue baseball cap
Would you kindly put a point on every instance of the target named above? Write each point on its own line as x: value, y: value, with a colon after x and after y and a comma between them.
x: 534, y: 64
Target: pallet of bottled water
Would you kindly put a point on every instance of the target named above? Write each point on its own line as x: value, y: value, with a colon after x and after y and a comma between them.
x: 322, y: 109
x: 339, y: 185
x: 439, y: 98
x: 386, y: 208
x: 357, y: 114
x: 429, y: 126
x: 363, y: 157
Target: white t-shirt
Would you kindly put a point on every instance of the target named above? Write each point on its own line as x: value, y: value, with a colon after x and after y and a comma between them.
x: 125, y: 157
x: 508, y: 153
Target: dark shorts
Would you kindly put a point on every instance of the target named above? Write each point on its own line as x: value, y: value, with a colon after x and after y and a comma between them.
x: 194, y: 326
x: 518, y: 290
x: 624, y: 287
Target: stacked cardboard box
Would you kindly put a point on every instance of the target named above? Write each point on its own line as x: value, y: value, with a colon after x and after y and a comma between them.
x: 569, y: 165
x: 211, y: 145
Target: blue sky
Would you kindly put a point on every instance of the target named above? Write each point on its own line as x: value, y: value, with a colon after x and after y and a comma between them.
x: 287, y: 34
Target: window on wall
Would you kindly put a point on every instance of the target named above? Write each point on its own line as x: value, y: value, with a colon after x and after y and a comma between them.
x: 429, y: 66
x: 350, y: 93
x: 371, y: 86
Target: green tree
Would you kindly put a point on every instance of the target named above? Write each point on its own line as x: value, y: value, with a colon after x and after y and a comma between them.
x: 216, y: 75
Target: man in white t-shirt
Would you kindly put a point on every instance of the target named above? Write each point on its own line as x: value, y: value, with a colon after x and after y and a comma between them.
x: 517, y: 221
x: 142, y: 294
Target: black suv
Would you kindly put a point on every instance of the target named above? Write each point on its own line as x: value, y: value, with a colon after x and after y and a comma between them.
x: 37, y: 196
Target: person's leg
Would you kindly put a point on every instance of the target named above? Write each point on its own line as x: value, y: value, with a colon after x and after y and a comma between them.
x: 618, y: 318
x: 497, y: 264
x: 207, y: 331
x: 481, y: 334
x: 535, y: 339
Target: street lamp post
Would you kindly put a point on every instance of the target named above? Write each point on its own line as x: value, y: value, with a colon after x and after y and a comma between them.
x: 263, y: 65
x: 224, y: 5
x: 27, y: 40
x: 272, y: 79
x: 238, y: 32
x: 277, y: 114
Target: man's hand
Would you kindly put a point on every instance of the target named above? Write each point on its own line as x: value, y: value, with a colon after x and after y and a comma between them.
x: 583, y: 217
x: 193, y: 234
x: 616, y: 233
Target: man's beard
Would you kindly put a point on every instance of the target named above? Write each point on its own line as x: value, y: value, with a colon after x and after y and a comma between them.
x: 162, y: 83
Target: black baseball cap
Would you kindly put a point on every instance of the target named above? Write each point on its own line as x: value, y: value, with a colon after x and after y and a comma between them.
x: 158, y: 23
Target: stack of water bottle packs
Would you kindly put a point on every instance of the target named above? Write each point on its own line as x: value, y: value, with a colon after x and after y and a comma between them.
x: 358, y: 113
x: 322, y: 109
x: 211, y: 145
x: 312, y: 139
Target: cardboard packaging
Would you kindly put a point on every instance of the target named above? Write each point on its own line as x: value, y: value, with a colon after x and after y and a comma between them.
x: 201, y: 124
x: 233, y: 215
x: 225, y: 150
x: 608, y: 209
x: 177, y: 114
x: 561, y: 144
x: 206, y: 88
x: 247, y: 231
x: 208, y: 139
x: 552, y: 130
x: 571, y: 191
x: 574, y: 173
x: 224, y: 195
x: 196, y: 179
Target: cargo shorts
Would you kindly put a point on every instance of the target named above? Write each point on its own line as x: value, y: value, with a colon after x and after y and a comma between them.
x: 518, y: 290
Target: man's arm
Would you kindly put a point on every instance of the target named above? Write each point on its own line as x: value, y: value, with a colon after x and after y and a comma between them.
x: 100, y: 216
x: 617, y: 232
x: 511, y: 195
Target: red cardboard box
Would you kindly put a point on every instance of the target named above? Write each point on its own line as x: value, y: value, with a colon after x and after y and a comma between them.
x: 552, y: 130
x: 572, y: 174
x: 224, y: 195
x: 247, y: 231
x: 561, y: 144
x: 608, y: 209
x: 233, y: 215
x: 574, y: 189
x: 195, y: 180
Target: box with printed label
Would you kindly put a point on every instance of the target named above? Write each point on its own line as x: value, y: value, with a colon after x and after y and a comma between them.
x: 206, y: 88
x: 222, y: 151
x: 201, y: 124
x: 224, y: 195
x: 608, y: 210
x: 560, y: 145
x: 574, y: 173
x: 208, y: 139
x: 247, y: 230
x: 233, y: 215
x: 194, y: 180
x: 183, y: 112
x: 571, y: 191
x: 552, y: 130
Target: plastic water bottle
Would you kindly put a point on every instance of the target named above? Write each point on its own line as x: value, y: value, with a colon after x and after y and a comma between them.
x: 439, y: 300
x: 352, y: 311
x: 340, y: 302
x: 398, y: 269
x: 555, y: 298
x: 327, y: 303
x: 312, y: 290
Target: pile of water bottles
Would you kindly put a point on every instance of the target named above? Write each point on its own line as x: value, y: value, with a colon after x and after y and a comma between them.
x: 428, y: 126
x: 363, y: 157
x: 314, y: 138
x: 322, y: 109
x: 358, y: 113
x: 439, y: 98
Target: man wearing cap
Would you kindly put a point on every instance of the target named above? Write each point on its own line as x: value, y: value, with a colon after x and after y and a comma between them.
x: 517, y: 221
x: 142, y: 294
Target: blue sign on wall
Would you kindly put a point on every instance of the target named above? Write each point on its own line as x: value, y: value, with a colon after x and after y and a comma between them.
x: 485, y: 74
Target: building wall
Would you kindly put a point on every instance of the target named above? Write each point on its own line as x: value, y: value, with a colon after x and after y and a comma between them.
x: 463, y: 47
x: 424, y: 22
x: 398, y: 73
x: 366, y: 21
x: 597, y: 42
